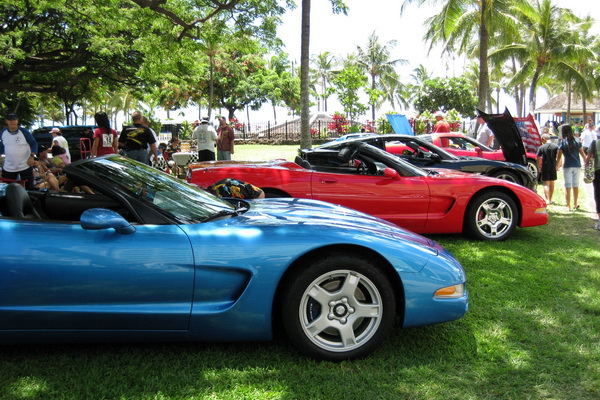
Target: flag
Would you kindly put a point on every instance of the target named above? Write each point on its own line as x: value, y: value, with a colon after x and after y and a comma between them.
x: 529, y: 133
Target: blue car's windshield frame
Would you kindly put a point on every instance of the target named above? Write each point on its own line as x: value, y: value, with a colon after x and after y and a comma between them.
x: 171, y: 196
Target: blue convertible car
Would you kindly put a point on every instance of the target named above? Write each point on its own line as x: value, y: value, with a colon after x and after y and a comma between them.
x: 149, y: 257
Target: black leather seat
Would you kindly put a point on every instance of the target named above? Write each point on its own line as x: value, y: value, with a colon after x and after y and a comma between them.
x: 18, y: 203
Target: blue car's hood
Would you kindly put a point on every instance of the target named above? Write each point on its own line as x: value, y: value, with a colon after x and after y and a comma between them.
x: 282, y: 211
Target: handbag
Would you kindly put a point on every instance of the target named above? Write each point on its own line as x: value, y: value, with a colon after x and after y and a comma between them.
x: 588, y: 175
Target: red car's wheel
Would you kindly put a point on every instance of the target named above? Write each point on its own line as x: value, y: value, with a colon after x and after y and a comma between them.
x: 491, y: 216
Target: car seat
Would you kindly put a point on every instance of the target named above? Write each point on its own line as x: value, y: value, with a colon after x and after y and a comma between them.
x: 18, y: 203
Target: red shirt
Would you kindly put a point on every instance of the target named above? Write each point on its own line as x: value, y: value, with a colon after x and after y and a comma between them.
x: 105, y: 146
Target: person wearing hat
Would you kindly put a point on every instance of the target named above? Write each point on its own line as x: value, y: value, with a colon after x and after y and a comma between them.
x: 20, y: 150
x: 206, y: 139
x: 59, y: 140
x: 441, y: 126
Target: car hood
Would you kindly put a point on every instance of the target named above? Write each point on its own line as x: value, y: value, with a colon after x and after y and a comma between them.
x: 320, y: 215
x: 506, y: 132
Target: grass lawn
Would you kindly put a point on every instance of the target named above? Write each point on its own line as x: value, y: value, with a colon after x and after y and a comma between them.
x: 532, y: 332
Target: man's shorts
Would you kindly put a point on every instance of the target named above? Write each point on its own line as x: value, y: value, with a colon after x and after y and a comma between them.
x: 549, y: 175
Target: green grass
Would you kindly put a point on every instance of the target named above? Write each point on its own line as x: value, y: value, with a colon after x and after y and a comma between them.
x: 532, y: 332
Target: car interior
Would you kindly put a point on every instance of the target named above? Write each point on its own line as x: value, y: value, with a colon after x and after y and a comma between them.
x: 58, y: 206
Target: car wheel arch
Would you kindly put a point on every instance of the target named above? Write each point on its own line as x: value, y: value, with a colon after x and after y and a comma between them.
x: 322, y: 252
x: 492, y: 189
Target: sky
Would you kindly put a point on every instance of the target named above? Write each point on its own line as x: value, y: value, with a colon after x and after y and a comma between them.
x: 340, y: 35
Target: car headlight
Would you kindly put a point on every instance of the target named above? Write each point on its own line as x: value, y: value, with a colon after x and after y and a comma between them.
x: 450, y: 292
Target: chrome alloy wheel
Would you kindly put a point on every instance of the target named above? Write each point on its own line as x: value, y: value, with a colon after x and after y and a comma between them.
x: 494, y: 217
x: 340, y: 310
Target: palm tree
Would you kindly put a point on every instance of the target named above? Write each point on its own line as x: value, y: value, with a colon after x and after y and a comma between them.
x: 324, y: 65
x: 546, y: 46
x: 463, y: 23
x: 375, y: 60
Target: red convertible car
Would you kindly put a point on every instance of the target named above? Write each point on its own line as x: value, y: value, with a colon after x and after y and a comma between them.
x: 365, y: 178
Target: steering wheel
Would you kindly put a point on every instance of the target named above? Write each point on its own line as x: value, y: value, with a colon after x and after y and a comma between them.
x: 362, y: 168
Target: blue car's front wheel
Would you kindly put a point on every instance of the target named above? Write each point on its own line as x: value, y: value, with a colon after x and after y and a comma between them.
x: 340, y: 307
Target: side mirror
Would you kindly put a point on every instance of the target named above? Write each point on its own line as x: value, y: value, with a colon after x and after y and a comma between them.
x: 391, y: 174
x: 102, y: 218
x: 478, y: 151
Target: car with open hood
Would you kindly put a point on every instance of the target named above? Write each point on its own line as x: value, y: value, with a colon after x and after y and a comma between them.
x: 150, y: 257
x: 366, y: 178
x: 505, y: 131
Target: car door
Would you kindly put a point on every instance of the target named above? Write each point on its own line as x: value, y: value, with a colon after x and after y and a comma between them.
x: 59, y: 276
x: 403, y: 201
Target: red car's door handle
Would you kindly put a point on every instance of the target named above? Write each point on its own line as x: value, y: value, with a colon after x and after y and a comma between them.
x: 328, y: 180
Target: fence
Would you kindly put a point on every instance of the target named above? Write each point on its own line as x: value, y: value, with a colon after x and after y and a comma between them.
x: 289, y: 131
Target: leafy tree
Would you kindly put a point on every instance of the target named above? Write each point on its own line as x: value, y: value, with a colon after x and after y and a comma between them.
x: 347, y: 84
x: 241, y: 78
x: 446, y: 94
x: 54, y: 46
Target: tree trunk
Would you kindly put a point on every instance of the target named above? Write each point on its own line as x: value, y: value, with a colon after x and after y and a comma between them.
x: 484, y: 74
x: 534, y: 81
x: 305, y: 139
x: 212, y: 86
x: 569, y: 94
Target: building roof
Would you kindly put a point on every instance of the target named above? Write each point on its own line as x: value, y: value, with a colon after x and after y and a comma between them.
x: 559, y: 104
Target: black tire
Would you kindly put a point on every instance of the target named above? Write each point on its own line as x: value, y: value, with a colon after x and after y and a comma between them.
x: 533, y: 168
x: 275, y: 193
x: 491, y: 216
x: 507, y: 176
x: 338, y: 308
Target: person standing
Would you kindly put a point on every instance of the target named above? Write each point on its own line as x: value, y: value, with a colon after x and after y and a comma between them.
x: 59, y: 140
x: 484, y: 133
x: 593, y: 152
x: 206, y: 138
x: 441, y: 126
x: 588, y: 136
x: 547, y: 155
x: 20, y: 150
x: 224, y: 140
x: 136, y: 139
x: 571, y: 149
x: 105, y: 138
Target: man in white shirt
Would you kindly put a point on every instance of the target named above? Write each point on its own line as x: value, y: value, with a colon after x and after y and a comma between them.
x: 484, y: 133
x: 59, y: 140
x: 206, y: 138
x: 588, y: 136
x: 20, y: 150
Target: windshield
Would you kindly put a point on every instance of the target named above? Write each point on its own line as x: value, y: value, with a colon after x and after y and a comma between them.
x: 171, y: 196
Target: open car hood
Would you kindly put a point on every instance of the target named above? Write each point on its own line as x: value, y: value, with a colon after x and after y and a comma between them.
x: 506, y: 132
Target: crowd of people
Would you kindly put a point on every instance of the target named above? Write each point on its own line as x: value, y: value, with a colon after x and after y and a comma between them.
x: 40, y: 167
